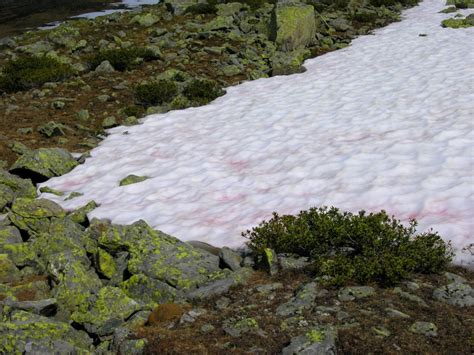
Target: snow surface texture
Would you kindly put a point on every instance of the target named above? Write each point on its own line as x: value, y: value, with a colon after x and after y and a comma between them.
x: 383, y: 124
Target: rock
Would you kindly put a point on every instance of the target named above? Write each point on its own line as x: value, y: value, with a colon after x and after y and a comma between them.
x: 318, y: 341
x: 265, y: 289
x: 192, y: 315
x: 179, y: 6
x: 34, y: 334
x: 394, y: 313
x: 426, y: 328
x: 109, y: 311
x: 133, y: 346
x: 220, y: 286
x: 230, y: 70
x: 58, y: 104
x: 293, y: 26
x: 270, y: 261
x: 230, y: 258
x: 381, y: 331
x: 285, y: 63
x: 44, y: 163
x: 130, y: 121
x: 146, y: 20
x: 340, y: 24
x: 80, y: 215
x: 207, y: 328
x: 46, y: 307
x: 104, y: 68
x: 149, y: 292
x: 8, y: 271
x: 51, y: 129
x: 355, y: 292
x: 456, y: 294
x: 220, y: 23
x: 105, y: 264
x: 19, y: 187
x: 109, y: 122
x: 449, y: 10
x: 157, y: 255
x: 237, y: 329
x: 18, y: 148
x: 409, y: 296
x: 454, y: 278
x: 9, y: 235
x: 25, y: 130
x: 132, y: 179
x: 304, y: 299
x: 103, y: 98
x: 230, y: 9
x: 83, y: 115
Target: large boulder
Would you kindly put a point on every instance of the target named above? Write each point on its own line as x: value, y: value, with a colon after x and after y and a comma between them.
x: 44, y: 163
x: 12, y: 186
x: 293, y: 26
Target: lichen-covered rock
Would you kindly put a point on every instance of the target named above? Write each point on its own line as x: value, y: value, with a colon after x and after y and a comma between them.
x: 230, y: 258
x: 292, y: 262
x: 44, y: 163
x: 318, y: 341
x: 285, y: 63
x: 44, y: 307
x: 132, y: 179
x: 304, y: 299
x: 293, y: 26
x: 80, y: 215
x: 426, y: 328
x: 109, y: 311
x: 146, y: 20
x: 149, y: 292
x: 238, y: 328
x: 105, y: 263
x: 9, y: 235
x: 456, y: 294
x: 410, y: 296
x: 179, y: 6
x: 157, y: 255
x: 34, y: 216
x: 19, y: 187
x: 220, y: 23
x: 270, y: 261
x: 8, y: 271
x: 355, y: 292
x: 23, y: 331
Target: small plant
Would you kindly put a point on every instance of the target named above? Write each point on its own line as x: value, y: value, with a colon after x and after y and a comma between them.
x: 122, y: 58
x: 353, y: 247
x: 202, y: 91
x: 156, y: 93
x: 25, y: 73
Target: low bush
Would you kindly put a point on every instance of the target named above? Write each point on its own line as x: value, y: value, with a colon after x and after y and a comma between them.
x: 122, y: 58
x: 25, y: 73
x: 353, y: 247
x: 202, y: 91
x: 156, y: 93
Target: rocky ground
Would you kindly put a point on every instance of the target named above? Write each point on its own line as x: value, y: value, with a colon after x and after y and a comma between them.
x: 73, y: 285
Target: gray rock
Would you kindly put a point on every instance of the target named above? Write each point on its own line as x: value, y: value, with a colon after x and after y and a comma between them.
x: 270, y: 261
x: 394, y: 313
x: 20, y: 187
x: 223, y: 303
x: 109, y: 122
x: 456, y: 294
x: 304, y: 299
x: 285, y: 63
x: 83, y: 115
x: 318, y: 341
x: 265, y: 289
x: 355, y: 292
x: 46, y: 307
x: 207, y: 328
x: 292, y: 262
x: 425, y: 328
x: 238, y: 328
x: 230, y: 258
x: 454, y: 278
x: 104, y: 68
x: 51, y: 129
x: 44, y: 163
x: 409, y: 296
x: 9, y: 235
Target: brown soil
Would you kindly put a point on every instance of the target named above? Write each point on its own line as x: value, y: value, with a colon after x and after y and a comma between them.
x: 455, y: 325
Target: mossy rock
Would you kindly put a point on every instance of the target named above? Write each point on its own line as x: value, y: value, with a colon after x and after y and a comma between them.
x: 8, y: 270
x: 109, y: 311
x: 285, y: 63
x: 461, y: 4
x: 458, y: 23
x: 20, y: 187
x: 44, y: 163
x: 43, y: 335
x: 293, y: 26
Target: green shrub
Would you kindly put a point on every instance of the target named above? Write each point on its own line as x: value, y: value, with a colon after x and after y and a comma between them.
x: 359, y: 247
x: 25, y: 73
x: 156, y: 93
x: 201, y: 8
x: 365, y: 16
x: 122, y: 58
x: 202, y: 91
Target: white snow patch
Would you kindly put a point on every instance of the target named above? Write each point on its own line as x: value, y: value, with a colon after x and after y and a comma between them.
x: 386, y: 123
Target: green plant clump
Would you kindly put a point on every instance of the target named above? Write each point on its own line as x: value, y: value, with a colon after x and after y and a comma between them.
x: 122, y: 58
x: 353, y: 247
x: 156, y: 93
x: 202, y: 91
x: 202, y: 8
x: 25, y: 73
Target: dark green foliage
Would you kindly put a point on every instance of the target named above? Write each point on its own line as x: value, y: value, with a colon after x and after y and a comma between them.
x: 202, y: 91
x: 365, y: 16
x: 132, y: 111
x: 122, y: 58
x: 156, y: 93
x: 28, y: 72
x: 201, y: 8
x: 388, y: 3
x: 359, y: 247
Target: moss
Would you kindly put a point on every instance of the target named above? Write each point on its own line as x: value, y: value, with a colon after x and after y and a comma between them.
x: 25, y: 73
x: 353, y: 247
x: 315, y: 335
x: 122, y: 58
x: 156, y: 93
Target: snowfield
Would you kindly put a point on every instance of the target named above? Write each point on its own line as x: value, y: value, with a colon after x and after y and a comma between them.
x: 386, y: 123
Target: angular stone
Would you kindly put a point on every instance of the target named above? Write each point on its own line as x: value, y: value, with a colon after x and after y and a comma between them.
x: 318, y: 341
x: 409, y: 296
x: 456, y: 294
x: 230, y: 258
x: 44, y: 163
x: 149, y: 292
x: 20, y: 187
x: 104, y: 68
x: 8, y: 271
x: 293, y: 26
x: 426, y: 328
x: 285, y: 63
x: 46, y: 307
x: 355, y: 292
x: 304, y: 299
x: 270, y: 261
x: 132, y: 179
